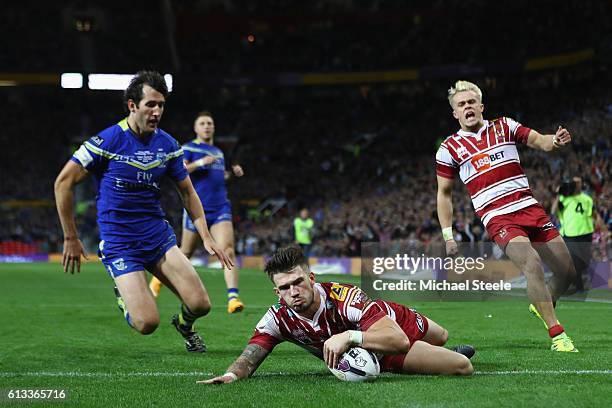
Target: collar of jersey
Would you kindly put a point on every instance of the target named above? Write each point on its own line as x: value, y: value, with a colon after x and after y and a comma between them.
x: 462, y: 132
x: 198, y: 141
x: 123, y: 124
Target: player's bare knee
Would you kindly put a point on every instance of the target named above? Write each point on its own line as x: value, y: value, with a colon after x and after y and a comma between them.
x: 464, y: 366
x: 201, y: 307
x: 533, y: 265
x: 229, y: 250
x: 570, y: 269
x: 186, y: 251
x: 443, y: 338
x: 146, y: 325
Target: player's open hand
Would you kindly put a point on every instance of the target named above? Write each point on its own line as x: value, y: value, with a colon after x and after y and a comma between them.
x: 214, y: 249
x: 222, y: 379
x: 562, y: 137
x: 73, y: 249
x: 451, y: 247
x: 334, y: 347
x: 237, y: 170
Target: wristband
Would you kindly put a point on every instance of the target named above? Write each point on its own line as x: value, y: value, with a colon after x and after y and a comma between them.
x: 355, y: 337
x: 200, y: 162
x: 447, y: 233
x: 233, y: 376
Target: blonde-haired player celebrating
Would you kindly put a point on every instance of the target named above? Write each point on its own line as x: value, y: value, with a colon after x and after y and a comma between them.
x: 484, y: 155
x: 206, y: 166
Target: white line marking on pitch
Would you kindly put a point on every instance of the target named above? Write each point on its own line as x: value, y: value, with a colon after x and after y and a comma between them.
x: 544, y: 372
x: 110, y: 375
x: 203, y: 374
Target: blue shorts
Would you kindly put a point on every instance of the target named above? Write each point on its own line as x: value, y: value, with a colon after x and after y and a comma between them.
x: 214, y: 215
x: 126, y: 257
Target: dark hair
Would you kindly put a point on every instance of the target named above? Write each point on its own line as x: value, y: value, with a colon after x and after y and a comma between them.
x: 204, y: 113
x: 152, y: 78
x: 285, y: 259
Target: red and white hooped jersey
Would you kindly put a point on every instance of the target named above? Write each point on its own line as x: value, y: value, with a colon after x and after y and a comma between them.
x: 488, y: 164
x: 343, y: 307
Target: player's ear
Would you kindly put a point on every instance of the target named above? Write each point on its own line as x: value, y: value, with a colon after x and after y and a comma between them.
x: 131, y: 105
x: 481, y: 107
x: 455, y: 114
x: 276, y: 291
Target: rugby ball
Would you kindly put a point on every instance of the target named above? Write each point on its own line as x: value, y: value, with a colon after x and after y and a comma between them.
x: 356, y: 365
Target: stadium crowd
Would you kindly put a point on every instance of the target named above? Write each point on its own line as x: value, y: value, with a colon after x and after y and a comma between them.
x: 365, y: 168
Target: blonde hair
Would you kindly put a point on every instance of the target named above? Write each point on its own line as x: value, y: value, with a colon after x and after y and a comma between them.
x: 463, y: 86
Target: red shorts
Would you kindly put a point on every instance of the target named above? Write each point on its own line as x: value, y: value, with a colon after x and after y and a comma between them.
x: 415, y: 326
x: 531, y: 222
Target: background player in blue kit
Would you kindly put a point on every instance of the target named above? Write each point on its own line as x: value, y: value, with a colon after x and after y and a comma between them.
x: 128, y: 161
x: 206, y: 165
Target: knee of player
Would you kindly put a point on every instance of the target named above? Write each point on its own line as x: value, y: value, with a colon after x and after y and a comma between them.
x: 571, y: 269
x: 533, y: 263
x: 202, y: 307
x: 147, y: 325
x: 464, y: 366
x: 230, y: 251
x: 187, y: 251
x: 443, y: 337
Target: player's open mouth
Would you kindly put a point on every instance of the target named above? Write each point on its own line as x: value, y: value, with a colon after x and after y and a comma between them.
x: 469, y: 115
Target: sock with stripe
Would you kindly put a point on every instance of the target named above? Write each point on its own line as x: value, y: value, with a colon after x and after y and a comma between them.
x: 186, y: 318
x: 232, y: 293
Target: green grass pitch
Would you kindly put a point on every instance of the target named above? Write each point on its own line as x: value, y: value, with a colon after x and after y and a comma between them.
x: 65, y: 332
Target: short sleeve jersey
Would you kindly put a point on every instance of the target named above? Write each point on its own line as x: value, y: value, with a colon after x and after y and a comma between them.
x: 343, y: 307
x: 209, y: 180
x: 302, y: 230
x: 576, y: 216
x: 488, y: 164
x: 128, y: 171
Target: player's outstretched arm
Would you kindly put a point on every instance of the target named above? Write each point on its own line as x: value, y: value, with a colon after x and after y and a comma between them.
x: 244, y: 366
x: 445, y: 213
x: 197, y: 164
x: 384, y: 336
x: 193, y: 205
x: 71, y: 175
x: 547, y: 143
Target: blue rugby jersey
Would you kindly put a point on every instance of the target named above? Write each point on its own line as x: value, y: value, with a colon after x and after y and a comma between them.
x: 128, y: 172
x: 208, y: 181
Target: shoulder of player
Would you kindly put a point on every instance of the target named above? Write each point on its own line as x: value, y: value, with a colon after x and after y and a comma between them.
x: 105, y: 140
x: 448, y: 144
x: 166, y: 137
x: 449, y: 138
x: 163, y: 140
x: 586, y: 197
x: 504, y: 120
x: 337, y: 291
x: 191, y: 143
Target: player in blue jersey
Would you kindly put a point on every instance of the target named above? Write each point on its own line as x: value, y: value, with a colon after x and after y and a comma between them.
x: 128, y: 161
x: 206, y: 165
